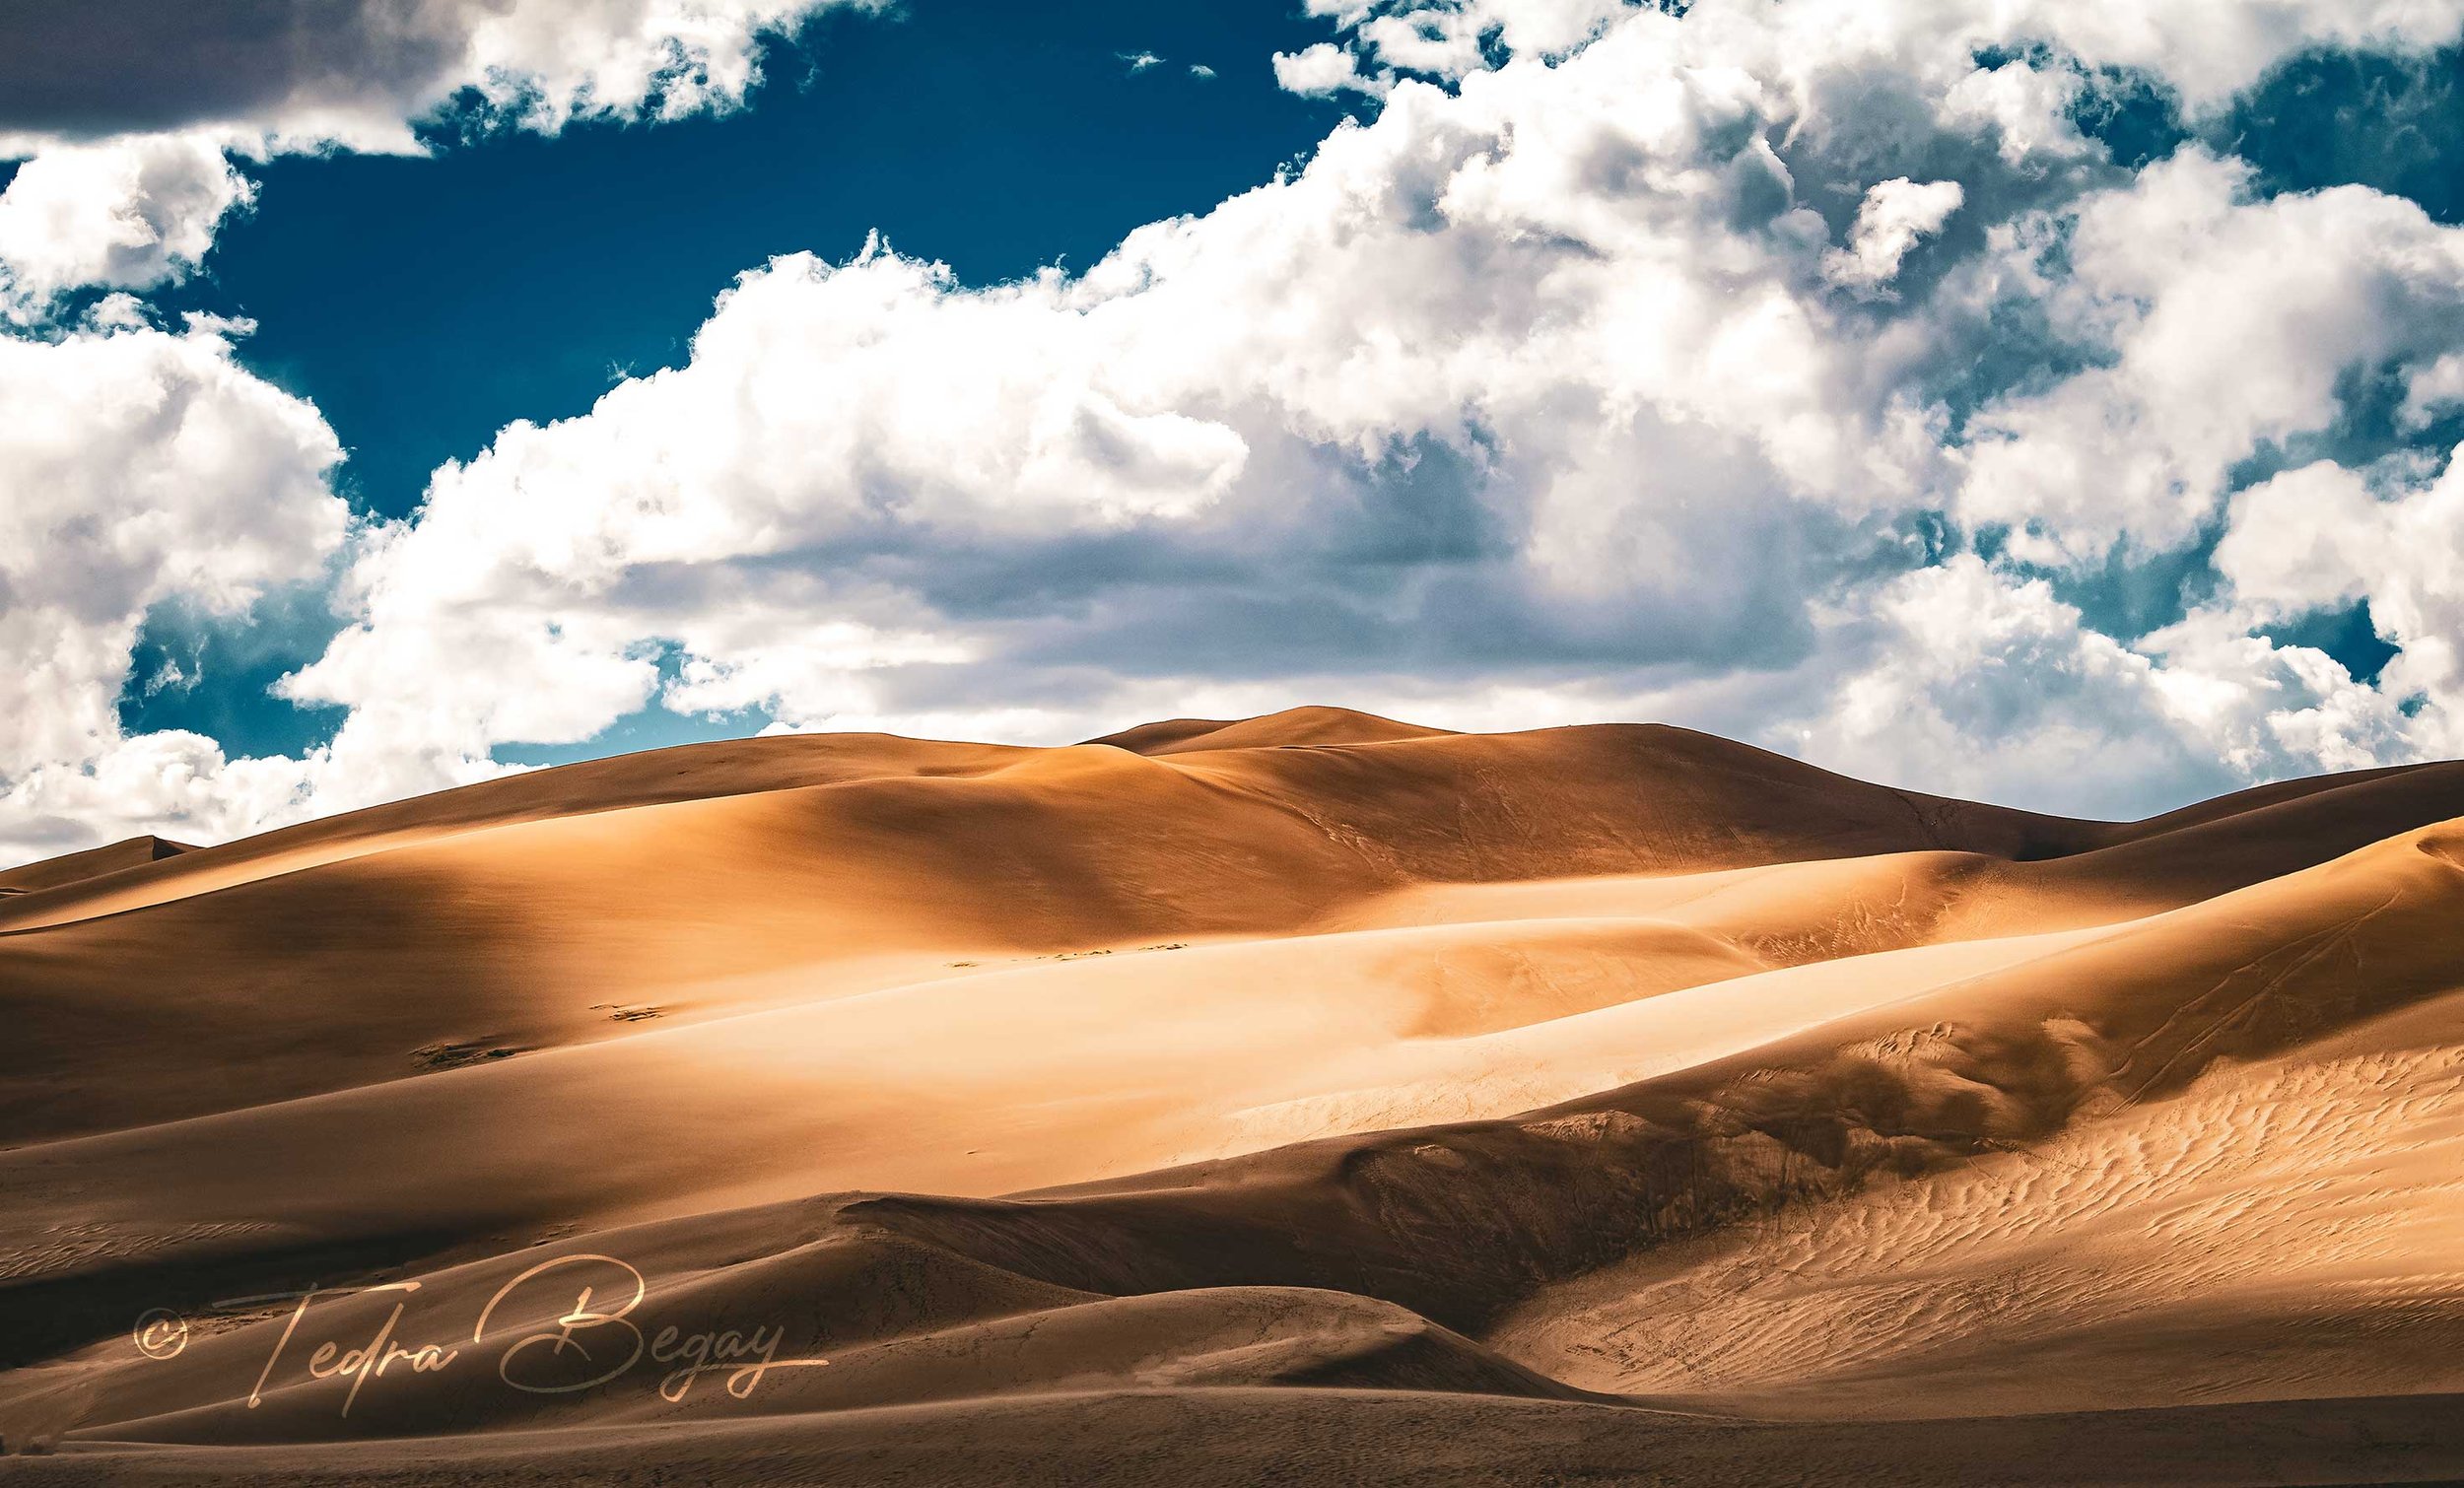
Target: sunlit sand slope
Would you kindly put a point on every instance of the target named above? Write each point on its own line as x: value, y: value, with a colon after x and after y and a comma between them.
x: 1618, y: 1089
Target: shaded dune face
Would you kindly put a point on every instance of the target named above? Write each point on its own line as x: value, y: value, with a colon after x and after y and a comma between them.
x: 1573, y: 1077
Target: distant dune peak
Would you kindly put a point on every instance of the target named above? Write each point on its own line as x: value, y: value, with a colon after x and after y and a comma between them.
x: 94, y: 862
x: 1305, y: 726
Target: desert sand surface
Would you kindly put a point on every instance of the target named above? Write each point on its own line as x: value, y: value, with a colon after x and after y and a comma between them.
x: 1305, y: 1098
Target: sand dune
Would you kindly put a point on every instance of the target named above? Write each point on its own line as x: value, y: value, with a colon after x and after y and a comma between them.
x: 1620, y: 1097
x: 95, y: 862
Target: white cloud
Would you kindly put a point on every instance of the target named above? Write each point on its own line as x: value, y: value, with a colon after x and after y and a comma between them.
x: 2206, y: 50
x: 2323, y: 537
x: 1894, y: 214
x: 136, y: 466
x: 1445, y: 37
x: 1958, y: 680
x: 356, y: 73
x: 1203, y: 421
x: 130, y: 213
x: 1322, y: 71
x: 551, y: 63
x: 2431, y: 391
x: 1966, y: 680
x: 127, y: 171
x: 2223, y: 325
x: 2210, y: 49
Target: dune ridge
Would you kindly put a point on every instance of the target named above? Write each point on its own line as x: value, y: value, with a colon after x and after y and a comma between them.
x: 1618, y: 1089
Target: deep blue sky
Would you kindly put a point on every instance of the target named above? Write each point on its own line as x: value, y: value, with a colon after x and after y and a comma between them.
x: 423, y: 303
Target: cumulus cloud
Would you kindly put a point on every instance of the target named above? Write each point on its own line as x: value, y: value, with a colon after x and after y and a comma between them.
x: 137, y: 465
x: 1943, y: 658
x: 1208, y: 443
x: 126, y: 115
x: 1452, y: 38
x: 2325, y: 536
x: 1929, y: 664
x: 2223, y: 327
x: 2204, y: 51
x: 1322, y: 71
x: 1796, y: 370
x: 130, y: 213
x: 357, y: 72
x: 1894, y: 215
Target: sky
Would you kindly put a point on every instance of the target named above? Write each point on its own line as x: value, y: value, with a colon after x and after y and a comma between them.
x: 2040, y: 403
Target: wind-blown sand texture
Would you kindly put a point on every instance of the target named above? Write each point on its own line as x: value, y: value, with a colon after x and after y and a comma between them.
x: 1308, y: 1098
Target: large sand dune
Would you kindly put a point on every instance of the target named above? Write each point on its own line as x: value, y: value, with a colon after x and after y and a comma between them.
x: 1312, y: 1096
